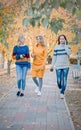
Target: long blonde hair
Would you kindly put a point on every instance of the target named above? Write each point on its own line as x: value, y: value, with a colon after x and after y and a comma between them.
x: 41, y: 40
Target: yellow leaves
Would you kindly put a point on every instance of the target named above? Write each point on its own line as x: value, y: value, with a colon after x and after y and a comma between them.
x: 1, y: 20
x: 8, y: 3
x: 74, y: 48
x: 6, y: 10
x: 30, y: 32
x: 60, y: 13
x: 54, y: 14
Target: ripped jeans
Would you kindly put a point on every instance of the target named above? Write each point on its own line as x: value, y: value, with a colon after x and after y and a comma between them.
x: 62, y: 78
x: 21, y: 76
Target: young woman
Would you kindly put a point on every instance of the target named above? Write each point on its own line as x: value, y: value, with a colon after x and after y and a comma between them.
x: 22, y: 57
x: 39, y: 62
x: 60, y: 59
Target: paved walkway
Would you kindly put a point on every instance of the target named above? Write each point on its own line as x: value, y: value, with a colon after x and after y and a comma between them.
x: 32, y: 112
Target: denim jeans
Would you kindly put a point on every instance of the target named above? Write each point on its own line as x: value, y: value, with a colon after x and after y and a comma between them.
x: 21, y: 76
x: 38, y: 82
x: 62, y: 78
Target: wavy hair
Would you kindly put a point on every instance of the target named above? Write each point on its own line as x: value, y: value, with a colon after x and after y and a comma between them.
x: 64, y: 38
x: 41, y: 39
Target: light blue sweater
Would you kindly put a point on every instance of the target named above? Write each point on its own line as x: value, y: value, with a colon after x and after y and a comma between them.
x: 61, y: 56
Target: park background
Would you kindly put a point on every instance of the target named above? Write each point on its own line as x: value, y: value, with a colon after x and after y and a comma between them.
x: 49, y: 18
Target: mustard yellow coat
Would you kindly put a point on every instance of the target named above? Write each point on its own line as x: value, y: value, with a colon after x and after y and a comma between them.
x: 39, y: 62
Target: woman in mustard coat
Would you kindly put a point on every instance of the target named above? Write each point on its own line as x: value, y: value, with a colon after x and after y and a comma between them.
x: 39, y: 62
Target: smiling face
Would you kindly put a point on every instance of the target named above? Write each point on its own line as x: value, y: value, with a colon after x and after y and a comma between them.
x: 62, y: 40
x: 21, y: 40
x: 40, y: 40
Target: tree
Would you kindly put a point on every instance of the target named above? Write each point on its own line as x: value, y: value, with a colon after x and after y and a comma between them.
x: 6, y: 18
x: 38, y: 13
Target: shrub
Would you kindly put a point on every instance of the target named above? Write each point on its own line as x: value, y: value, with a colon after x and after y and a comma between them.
x: 49, y: 59
x: 74, y: 61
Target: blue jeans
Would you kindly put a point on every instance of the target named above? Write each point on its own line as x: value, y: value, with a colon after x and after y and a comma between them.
x: 21, y: 76
x: 62, y: 78
x: 38, y: 82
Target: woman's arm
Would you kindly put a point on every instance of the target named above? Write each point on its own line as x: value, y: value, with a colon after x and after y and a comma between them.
x: 54, y: 57
x: 68, y: 50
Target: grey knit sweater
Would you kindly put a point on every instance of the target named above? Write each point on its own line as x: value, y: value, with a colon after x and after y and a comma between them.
x: 61, y: 56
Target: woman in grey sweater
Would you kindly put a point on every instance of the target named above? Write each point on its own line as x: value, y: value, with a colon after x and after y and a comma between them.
x: 60, y: 59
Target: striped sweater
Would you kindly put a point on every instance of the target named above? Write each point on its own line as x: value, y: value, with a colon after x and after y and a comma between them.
x: 21, y: 50
x: 61, y: 56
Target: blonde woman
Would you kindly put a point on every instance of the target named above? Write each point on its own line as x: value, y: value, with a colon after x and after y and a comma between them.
x: 39, y: 62
x: 22, y: 56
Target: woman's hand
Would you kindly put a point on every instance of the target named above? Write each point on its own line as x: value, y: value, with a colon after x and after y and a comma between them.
x: 51, y: 69
x: 33, y: 55
x: 21, y: 56
x: 42, y: 68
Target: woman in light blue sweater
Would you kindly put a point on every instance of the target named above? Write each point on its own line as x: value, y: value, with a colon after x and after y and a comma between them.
x: 60, y: 59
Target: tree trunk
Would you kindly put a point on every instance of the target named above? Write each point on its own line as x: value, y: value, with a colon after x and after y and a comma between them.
x: 3, y: 59
x: 8, y: 66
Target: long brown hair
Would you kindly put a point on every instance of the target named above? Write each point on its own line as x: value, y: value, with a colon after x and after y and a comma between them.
x: 64, y: 38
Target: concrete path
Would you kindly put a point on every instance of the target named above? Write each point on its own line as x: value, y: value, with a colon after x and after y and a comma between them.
x: 33, y: 112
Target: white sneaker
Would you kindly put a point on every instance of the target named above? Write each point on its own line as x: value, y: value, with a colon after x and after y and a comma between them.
x: 37, y: 90
x: 39, y: 93
x: 62, y: 96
